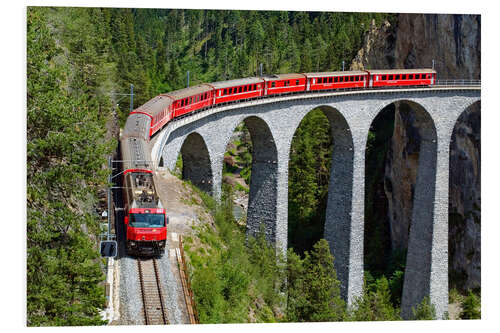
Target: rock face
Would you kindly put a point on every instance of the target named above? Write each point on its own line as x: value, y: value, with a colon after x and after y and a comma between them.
x: 454, y: 42
x: 465, y: 201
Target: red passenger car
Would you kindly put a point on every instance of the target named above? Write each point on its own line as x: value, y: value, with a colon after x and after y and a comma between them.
x: 284, y: 83
x: 189, y: 99
x: 235, y: 90
x: 336, y: 80
x: 402, y: 77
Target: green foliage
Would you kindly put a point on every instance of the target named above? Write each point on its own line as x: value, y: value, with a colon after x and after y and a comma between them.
x: 375, y: 304
x: 230, y: 278
x: 308, y: 179
x: 424, y: 311
x: 313, y: 288
x: 66, y: 149
x: 471, y: 307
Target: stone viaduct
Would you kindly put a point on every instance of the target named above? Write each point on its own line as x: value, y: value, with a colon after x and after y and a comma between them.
x: 203, y: 137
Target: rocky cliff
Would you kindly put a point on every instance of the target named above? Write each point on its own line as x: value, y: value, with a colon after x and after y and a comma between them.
x: 454, y: 43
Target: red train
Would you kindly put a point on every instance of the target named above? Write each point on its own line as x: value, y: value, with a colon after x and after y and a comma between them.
x: 165, y: 107
x: 146, y: 219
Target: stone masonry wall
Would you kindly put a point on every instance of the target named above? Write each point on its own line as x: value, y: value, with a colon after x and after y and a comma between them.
x: 351, y: 116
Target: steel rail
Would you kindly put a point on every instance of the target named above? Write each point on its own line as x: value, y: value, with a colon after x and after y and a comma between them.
x: 154, y: 309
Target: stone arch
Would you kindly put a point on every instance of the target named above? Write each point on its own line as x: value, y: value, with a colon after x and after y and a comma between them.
x: 464, y: 200
x: 422, y: 238
x: 196, y: 166
x: 338, y: 216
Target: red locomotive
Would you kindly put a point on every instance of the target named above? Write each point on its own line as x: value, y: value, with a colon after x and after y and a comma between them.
x: 146, y: 219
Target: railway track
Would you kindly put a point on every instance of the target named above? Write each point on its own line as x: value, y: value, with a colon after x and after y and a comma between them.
x: 155, y: 312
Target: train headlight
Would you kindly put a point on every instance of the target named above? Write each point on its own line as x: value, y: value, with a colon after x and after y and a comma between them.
x: 132, y: 243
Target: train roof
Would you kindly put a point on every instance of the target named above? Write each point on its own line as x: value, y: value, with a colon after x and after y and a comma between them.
x: 342, y: 73
x: 187, y: 92
x: 155, y: 105
x: 134, y: 154
x: 137, y: 125
x: 236, y: 82
x: 402, y: 71
x: 289, y: 76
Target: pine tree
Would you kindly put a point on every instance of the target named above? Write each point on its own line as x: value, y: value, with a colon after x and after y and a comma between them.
x: 471, y: 307
x: 424, y: 311
x: 65, y: 153
x: 314, y: 291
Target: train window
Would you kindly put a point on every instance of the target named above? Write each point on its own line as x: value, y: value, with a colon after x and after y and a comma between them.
x: 335, y: 79
x: 296, y: 82
x: 417, y: 76
x: 384, y: 77
x: 273, y: 84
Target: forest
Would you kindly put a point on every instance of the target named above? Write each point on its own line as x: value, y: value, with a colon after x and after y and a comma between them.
x: 79, y: 61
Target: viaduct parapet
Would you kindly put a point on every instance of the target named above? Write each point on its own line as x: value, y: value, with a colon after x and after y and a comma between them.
x: 202, y: 140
